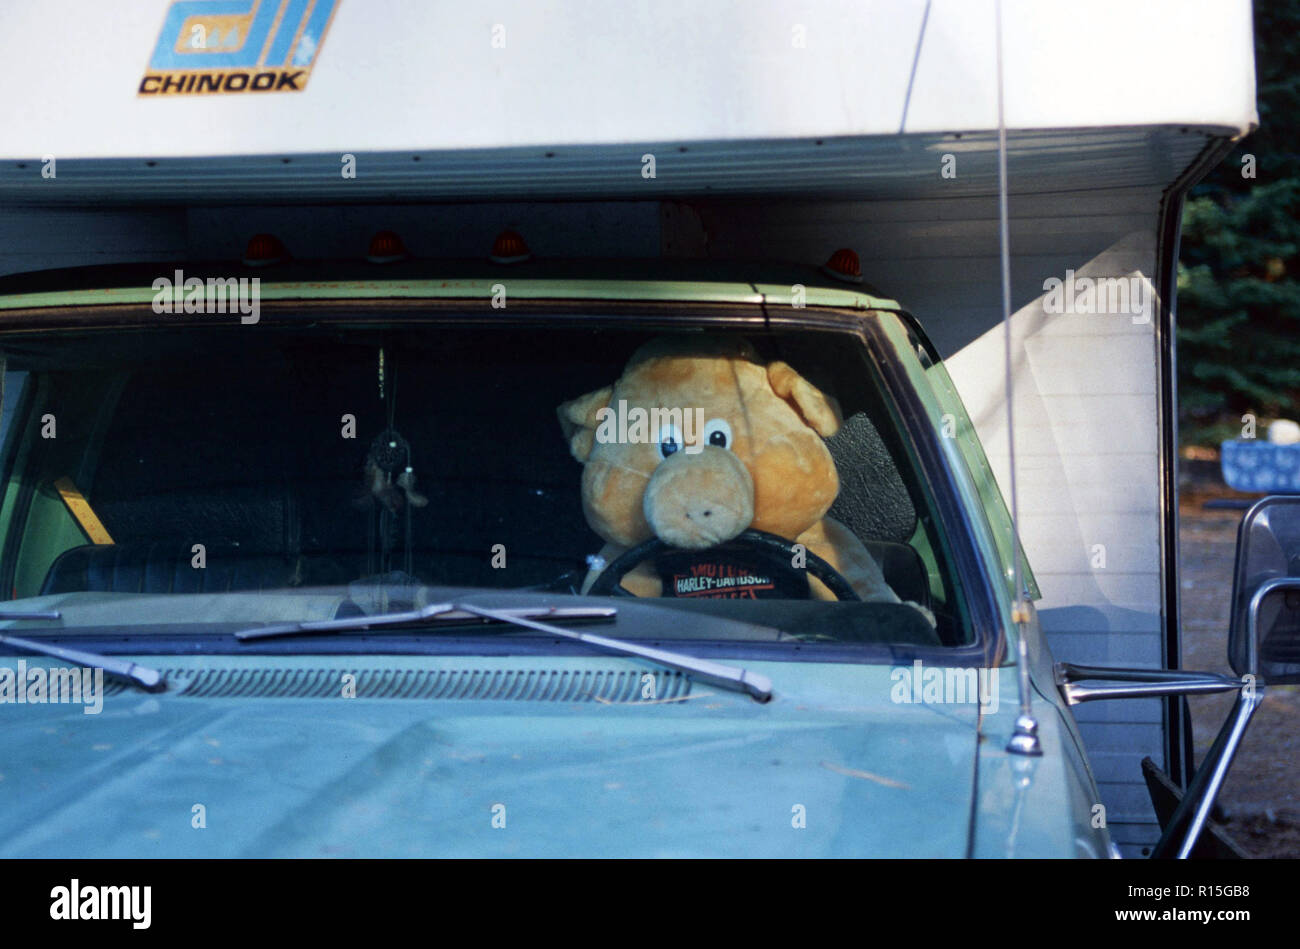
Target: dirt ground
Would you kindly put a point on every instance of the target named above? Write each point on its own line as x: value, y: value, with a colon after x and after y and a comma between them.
x: 1261, y: 799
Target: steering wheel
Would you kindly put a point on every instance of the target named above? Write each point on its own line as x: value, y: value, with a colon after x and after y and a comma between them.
x: 608, y: 583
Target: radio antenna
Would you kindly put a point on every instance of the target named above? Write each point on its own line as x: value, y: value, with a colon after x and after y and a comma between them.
x: 1024, y: 741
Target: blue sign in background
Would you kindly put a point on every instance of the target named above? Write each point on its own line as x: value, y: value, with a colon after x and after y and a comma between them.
x: 1250, y: 465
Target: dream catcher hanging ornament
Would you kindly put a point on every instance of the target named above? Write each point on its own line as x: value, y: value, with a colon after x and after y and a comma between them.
x: 389, y: 475
x: 390, y: 484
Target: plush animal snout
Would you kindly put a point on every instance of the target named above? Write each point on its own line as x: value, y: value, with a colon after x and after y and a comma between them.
x: 696, y: 501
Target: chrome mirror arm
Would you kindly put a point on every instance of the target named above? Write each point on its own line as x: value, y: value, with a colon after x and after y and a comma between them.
x: 1136, y: 683
x: 1189, y: 818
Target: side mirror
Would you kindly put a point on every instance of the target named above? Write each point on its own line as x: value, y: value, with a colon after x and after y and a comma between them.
x: 1263, y: 649
x: 1264, y: 630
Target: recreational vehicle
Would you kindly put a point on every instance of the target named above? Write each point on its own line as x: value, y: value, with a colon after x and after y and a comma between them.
x: 281, y: 455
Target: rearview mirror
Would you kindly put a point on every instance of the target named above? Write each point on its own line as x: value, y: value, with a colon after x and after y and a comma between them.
x: 1264, y: 630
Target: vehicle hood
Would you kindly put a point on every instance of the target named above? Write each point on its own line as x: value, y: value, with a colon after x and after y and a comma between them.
x: 834, y: 765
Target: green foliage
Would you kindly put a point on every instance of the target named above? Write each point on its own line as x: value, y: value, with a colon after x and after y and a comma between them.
x: 1239, y: 273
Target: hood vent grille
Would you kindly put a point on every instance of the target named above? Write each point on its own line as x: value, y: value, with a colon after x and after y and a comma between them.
x: 520, y: 685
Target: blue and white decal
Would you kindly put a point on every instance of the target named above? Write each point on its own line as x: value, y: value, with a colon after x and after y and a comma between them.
x: 235, y: 46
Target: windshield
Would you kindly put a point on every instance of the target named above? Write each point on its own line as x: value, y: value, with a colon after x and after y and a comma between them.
x: 720, y: 484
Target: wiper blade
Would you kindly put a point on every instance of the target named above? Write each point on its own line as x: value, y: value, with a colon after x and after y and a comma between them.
x: 436, y: 613
x: 715, y: 673
x: 722, y: 676
x: 149, y: 679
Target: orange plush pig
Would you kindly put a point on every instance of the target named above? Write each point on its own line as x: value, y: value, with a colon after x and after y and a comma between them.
x: 699, y: 440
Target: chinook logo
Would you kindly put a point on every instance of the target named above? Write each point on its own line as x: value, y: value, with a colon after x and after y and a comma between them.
x: 215, y: 46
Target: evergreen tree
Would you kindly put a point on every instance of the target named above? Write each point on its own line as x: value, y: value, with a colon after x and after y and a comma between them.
x: 1239, y: 273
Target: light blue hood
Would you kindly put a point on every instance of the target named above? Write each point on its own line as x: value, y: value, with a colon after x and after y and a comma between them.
x: 714, y: 774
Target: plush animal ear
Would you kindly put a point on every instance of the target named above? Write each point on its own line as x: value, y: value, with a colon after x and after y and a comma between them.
x: 578, y: 421
x: 819, y: 410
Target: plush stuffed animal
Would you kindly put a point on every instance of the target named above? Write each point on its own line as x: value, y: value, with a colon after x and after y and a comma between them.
x: 744, y: 449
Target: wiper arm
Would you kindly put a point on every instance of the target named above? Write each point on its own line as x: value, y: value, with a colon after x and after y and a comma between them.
x: 149, y: 679
x: 439, y: 613
x: 722, y: 676
x: 715, y: 673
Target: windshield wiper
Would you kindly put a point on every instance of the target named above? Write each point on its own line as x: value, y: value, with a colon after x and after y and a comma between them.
x: 715, y: 673
x: 434, y: 613
x: 722, y: 676
x: 149, y: 679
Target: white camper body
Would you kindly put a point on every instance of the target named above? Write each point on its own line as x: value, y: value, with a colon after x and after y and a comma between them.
x: 732, y: 128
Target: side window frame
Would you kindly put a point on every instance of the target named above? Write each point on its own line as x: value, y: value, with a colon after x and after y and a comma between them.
x: 972, y: 453
x: 15, y: 458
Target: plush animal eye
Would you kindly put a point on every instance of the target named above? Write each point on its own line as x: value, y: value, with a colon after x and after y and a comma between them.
x: 717, y: 432
x: 670, y: 440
